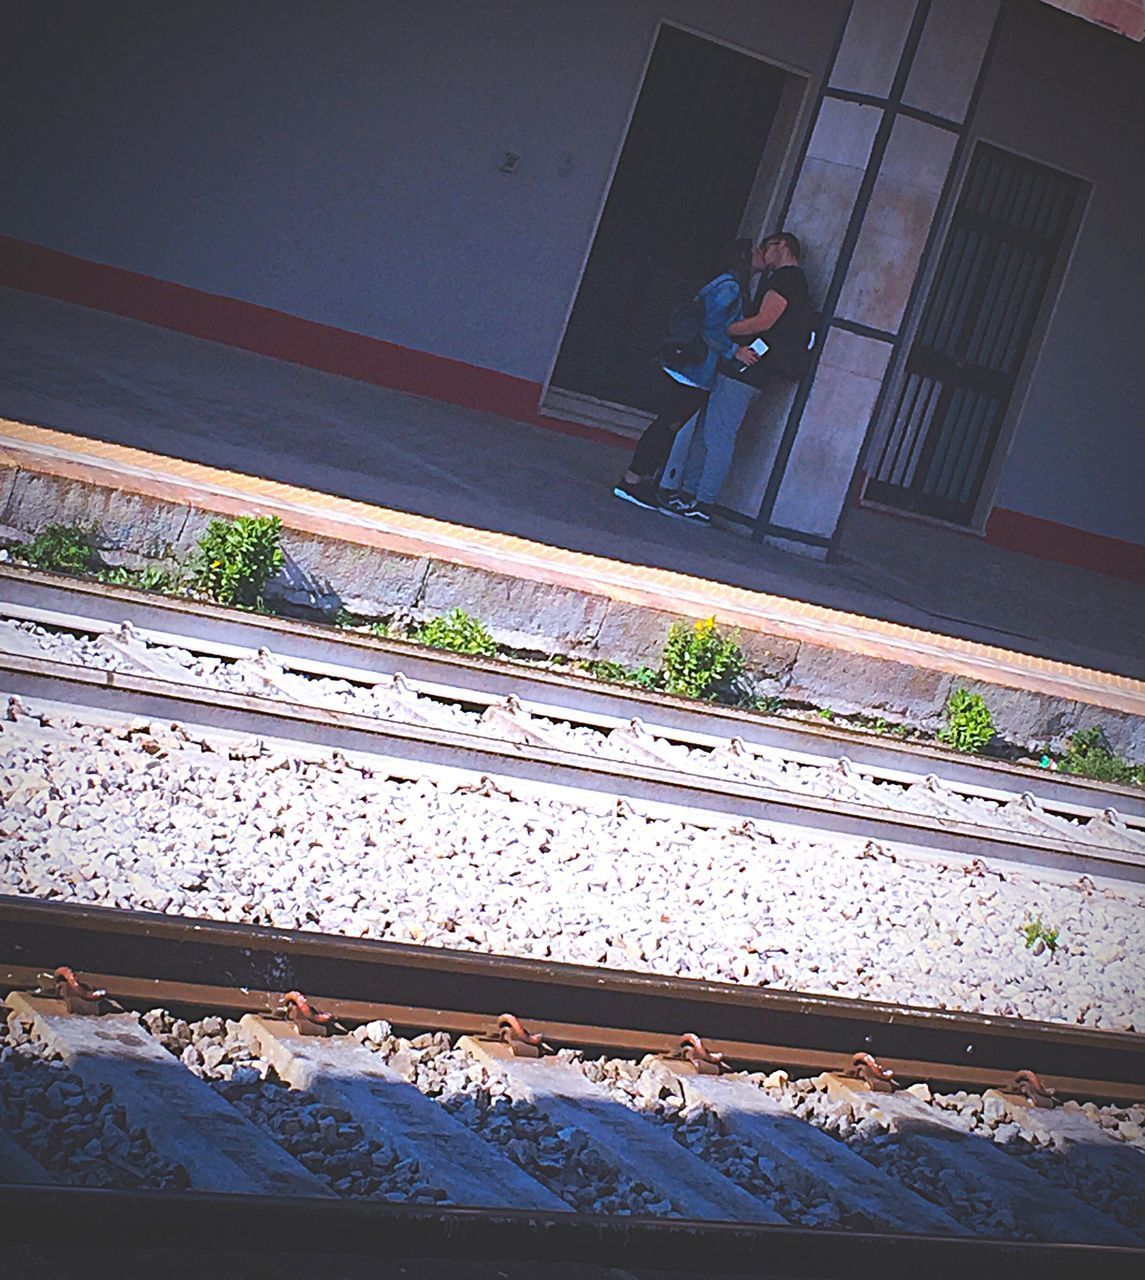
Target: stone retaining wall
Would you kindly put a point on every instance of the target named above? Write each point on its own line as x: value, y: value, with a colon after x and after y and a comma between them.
x: 325, y: 571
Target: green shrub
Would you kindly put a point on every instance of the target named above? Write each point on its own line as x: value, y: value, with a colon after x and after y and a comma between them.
x: 458, y: 632
x: 699, y: 660
x: 969, y: 726
x: 66, y: 548
x: 236, y: 558
x: 1090, y: 756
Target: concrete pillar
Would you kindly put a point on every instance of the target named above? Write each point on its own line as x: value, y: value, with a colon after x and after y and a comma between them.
x: 893, y: 116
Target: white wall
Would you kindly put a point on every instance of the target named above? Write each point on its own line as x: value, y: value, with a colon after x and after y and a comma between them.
x: 337, y: 159
x: 1073, y: 96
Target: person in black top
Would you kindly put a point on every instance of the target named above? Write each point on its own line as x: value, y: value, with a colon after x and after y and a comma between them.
x: 781, y: 323
x: 783, y: 317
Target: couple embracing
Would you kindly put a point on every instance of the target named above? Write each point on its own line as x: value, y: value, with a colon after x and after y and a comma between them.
x: 721, y: 373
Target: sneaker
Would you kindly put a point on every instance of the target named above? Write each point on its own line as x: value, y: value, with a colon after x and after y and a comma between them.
x: 640, y: 495
x: 685, y: 509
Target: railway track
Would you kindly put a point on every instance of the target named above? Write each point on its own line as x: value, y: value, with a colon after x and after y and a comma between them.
x: 627, y: 1151
x: 558, y: 735
x: 322, y: 650
x: 431, y: 1112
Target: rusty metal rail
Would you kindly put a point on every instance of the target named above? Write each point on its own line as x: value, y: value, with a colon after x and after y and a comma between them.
x: 150, y: 959
x: 411, y: 750
x: 323, y: 648
x: 181, y: 1234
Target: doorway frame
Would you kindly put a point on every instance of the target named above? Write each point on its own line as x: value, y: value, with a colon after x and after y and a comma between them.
x: 769, y: 189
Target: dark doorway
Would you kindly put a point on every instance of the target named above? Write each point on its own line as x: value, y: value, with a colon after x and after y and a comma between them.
x: 679, y: 192
x: 1008, y: 231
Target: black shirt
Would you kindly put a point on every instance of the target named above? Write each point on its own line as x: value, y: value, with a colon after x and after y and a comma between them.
x: 787, y: 338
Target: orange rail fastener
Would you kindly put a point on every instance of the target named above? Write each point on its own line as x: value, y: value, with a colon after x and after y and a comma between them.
x: 706, y: 1061
x: 872, y: 1072
x: 308, y: 1020
x: 523, y: 1042
x: 76, y: 994
x: 1031, y: 1088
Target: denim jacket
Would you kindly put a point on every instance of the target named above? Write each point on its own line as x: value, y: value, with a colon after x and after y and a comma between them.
x: 723, y: 305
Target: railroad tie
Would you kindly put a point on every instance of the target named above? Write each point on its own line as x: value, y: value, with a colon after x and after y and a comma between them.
x: 17, y: 1167
x: 808, y: 1158
x: 343, y: 1073
x: 1086, y: 1143
x: 634, y: 1144
x: 185, y: 1120
x: 946, y: 1150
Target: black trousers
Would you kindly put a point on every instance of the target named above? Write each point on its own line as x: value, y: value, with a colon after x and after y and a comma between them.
x: 654, y: 446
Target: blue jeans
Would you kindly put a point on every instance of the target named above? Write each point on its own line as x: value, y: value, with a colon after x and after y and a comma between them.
x: 714, y: 441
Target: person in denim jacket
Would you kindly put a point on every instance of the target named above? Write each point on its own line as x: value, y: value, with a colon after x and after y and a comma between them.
x: 686, y: 392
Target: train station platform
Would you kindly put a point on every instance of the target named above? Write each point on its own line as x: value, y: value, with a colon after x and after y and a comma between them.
x: 96, y: 402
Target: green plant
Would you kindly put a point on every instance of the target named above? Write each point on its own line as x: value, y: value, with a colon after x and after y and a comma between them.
x: 150, y: 578
x: 969, y: 726
x: 236, y: 558
x: 1089, y: 755
x: 67, y: 548
x: 699, y: 660
x: 603, y: 669
x: 768, y: 703
x: 458, y: 632
x: 1034, y: 929
x: 826, y: 713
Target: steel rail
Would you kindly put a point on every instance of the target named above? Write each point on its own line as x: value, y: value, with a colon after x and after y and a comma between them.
x: 323, y: 649
x: 402, y: 749
x: 145, y: 958
x: 178, y: 1233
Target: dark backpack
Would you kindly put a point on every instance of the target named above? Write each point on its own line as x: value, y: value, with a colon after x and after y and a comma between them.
x: 684, y: 343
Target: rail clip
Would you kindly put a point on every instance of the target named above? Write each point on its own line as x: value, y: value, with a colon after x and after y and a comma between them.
x: 1031, y: 1088
x: 77, y: 995
x: 522, y: 1042
x: 872, y: 1073
x: 705, y: 1061
x: 308, y: 1020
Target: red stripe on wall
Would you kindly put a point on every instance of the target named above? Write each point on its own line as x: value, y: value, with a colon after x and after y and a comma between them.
x: 35, y: 269
x: 1066, y: 545
x: 266, y: 332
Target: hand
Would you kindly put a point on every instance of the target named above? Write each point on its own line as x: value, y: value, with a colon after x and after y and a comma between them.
x: 745, y: 355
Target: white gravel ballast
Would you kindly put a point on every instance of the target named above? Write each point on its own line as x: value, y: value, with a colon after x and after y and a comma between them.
x: 154, y: 817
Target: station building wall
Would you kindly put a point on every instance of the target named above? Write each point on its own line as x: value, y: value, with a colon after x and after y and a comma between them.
x: 1072, y: 96
x: 340, y: 164
x: 341, y: 161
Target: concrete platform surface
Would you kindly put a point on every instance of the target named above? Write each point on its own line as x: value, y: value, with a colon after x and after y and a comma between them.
x: 116, y: 380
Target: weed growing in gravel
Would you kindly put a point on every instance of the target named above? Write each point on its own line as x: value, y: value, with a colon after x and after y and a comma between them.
x: 236, y: 558
x: 969, y: 726
x: 150, y: 578
x: 457, y: 632
x: 1090, y: 756
x: 643, y: 676
x: 1034, y: 929
x: 767, y: 703
x: 66, y: 548
x: 699, y: 660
